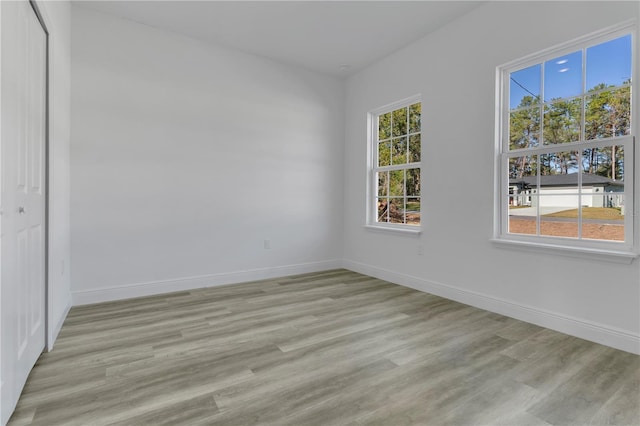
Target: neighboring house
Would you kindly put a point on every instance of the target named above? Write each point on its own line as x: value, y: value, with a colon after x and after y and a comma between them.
x: 561, y: 191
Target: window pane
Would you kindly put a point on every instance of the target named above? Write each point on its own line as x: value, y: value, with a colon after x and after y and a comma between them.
x: 559, y: 214
x: 609, y: 63
x: 415, y: 111
x: 562, y: 121
x: 558, y: 194
x: 396, y: 210
x: 522, y: 181
x: 383, y: 184
x: 384, y: 126
x: 520, y: 198
x: 413, y: 211
x: 414, y: 148
x: 607, y: 163
x: 413, y: 182
x: 522, y: 194
x: 383, y: 211
x: 396, y: 183
x: 522, y: 216
x: 607, y: 198
x: 384, y: 153
x: 564, y: 164
x: 607, y: 222
x: 603, y: 195
x: 608, y: 114
x: 399, y: 122
x: 524, y: 87
x: 399, y: 151
x: 521, y: 167
x: 563, y: 76
x: 524, y: 128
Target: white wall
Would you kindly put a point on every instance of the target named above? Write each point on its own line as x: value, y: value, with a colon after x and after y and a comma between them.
x: 454, y: 69
x: 186, y: 156
x: 57, y: 16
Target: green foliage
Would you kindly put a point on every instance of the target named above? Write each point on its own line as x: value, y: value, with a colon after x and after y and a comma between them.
x: 413, y: 182
x: 562, y: 121
x: 396, y: 183
x: 524, y: 127
x: 607, y: 113
x: 399, y: 151
x: 383, y: 184
x: 413, y: 205
x: 607, y: 161
x: 415, y: 112
x: 384, y: 153
x: 559, y: 163
x: 520, y: 167
x: 399, y: 122
x: 384, y: 126
x: 414, y: 148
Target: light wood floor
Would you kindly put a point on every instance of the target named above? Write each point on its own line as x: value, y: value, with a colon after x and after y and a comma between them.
x: 331, y: 348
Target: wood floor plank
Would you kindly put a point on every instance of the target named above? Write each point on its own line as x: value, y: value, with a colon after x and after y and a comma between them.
x: 578, y: 399
x: 561, y: 363
x: 623, y: 408
x: 327, y: 348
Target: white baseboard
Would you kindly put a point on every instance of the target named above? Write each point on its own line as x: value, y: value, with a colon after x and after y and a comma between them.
x: 599, y: 333
x: 588, y: 330
x: 53, y: 335
x: 128, y: 291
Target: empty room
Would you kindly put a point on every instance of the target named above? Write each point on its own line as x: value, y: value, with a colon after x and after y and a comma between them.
x: 319, y: 213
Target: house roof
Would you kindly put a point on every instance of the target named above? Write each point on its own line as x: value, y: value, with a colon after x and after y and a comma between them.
x: 567, y: 180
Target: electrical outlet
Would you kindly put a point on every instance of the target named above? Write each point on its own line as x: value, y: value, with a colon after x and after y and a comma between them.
x: 62, y: 267
x: 420, y: 249
x: 267, y: 244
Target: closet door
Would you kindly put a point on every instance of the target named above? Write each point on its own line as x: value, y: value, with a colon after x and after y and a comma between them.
x: 23, y: 147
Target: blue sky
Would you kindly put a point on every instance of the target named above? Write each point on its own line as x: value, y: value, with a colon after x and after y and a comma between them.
x: 608, y: 63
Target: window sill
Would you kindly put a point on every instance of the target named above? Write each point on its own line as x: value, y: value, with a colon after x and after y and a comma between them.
x: 613, y: 256
x: 395, y: 230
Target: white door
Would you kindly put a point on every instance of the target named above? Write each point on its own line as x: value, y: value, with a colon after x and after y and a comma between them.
x: 22, y: 149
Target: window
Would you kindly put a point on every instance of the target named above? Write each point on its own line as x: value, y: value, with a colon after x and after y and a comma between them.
x: 566, y: 145
x: 394, y: 188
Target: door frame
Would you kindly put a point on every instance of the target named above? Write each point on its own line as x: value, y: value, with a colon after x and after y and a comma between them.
x: 41, y: 20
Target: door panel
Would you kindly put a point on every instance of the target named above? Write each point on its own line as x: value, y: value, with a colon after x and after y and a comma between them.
x: 35, y: 265
x: 36, y: 88
x: 23, y: 230
x: 23, y: 296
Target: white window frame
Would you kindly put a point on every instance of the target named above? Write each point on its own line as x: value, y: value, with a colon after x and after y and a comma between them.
x: 373, y: 169
x: 623, y: 252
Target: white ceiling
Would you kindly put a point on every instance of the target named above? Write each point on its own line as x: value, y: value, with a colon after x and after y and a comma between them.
x: 333, y: 37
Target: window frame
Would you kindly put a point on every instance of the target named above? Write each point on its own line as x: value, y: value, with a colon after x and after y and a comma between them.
x: 605, y: 250
x: 373, y: 168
